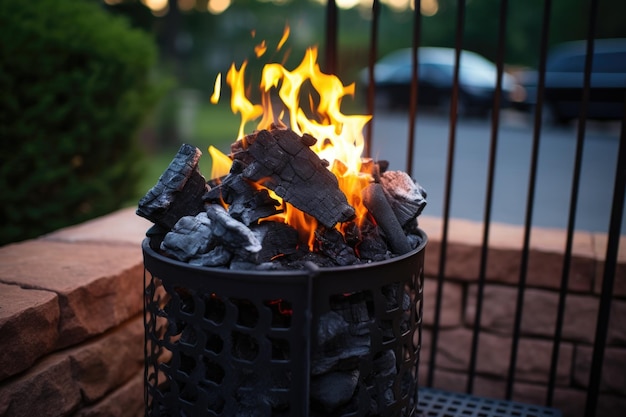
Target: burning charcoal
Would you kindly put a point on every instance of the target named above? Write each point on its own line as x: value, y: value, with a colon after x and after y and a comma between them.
x: 276, y: 239
x: 234, y: 235
x: 331, y: 244
x: 377, y: 204
x: 283, y: 161
x: 178, y: 192
x: 303, y: 257
x: 405, y: 196
x: 368, y: 242
x: 334, y: 389
x: 246, y: 202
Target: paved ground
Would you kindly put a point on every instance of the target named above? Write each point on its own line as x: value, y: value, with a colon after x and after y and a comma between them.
x: 554, y: 175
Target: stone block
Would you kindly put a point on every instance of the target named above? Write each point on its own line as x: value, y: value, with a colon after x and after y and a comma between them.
x: 494, y: 352
x: 451, y: 303
x: 600, y: 241
x: 498, y: 307
x: 539, y: 312
x: 99, y: 286
x: 29, y: 321
x: 581, y: 315
x: 99, y: 366
x: 126, y: 401
x: 503, y: 265
x: 610, y: 406
x: 462, y: 261
x: 619, y: 279
x: 571, y: 401
x: 617, y: 330
x: 489, y: 387
x: 453, y: 349
x: 120, y: 227
x: 613, y: 377
x: 450, y: 381
x: 47, y: 389
x: 545, y: 270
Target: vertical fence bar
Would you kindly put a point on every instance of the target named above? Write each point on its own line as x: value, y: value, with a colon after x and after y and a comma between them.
x: 493, y: 148
x: 331, y: 37
x: 371, y: 87
x: 608, y: 277
x: 571, y: 223
x: 416, y: 41
x: 545, y: 30
x: 448, y: 189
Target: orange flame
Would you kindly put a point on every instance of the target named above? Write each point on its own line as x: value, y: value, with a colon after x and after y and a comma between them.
x: 340, y: 136
x: 260, y: 49
x: 284, y: 38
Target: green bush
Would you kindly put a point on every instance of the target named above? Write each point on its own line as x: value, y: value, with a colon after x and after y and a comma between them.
x: 76, y: 84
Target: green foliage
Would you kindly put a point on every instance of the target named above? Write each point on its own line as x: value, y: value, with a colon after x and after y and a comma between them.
x: 76, y: 85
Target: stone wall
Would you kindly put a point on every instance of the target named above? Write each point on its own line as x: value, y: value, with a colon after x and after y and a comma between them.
x: 71, y: 332
x: 540, y: 305
x: 71, y: 327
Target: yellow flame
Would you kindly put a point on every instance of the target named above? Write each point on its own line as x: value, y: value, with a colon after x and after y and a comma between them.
x: 221, y: 163
x: 215, y: 97
x: 239, y: 103
x: 339, y: 136
x: 284, y: 38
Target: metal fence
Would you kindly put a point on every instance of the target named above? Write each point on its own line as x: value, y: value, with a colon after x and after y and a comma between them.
x: 613, y: 232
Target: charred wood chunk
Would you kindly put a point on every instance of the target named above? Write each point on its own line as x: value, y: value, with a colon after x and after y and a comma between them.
x: 210, y: 238
x: 178, y: 192
x: 233, y: 234
x: 192, y: 240
x: 277, y: 239
x: 156, y: 234
x: 378, y: 206
x: 331, y: 244
x: 367, y: 241
x: 406, y: 198
x: 283, y: 162
x: 190, y: 237
x: 246, y: 202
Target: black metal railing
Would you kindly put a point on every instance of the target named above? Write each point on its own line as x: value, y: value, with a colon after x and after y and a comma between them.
x: 613, y: 233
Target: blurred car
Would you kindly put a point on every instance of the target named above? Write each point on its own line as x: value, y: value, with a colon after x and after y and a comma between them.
x: 564, y: 81
x: 477, y: 80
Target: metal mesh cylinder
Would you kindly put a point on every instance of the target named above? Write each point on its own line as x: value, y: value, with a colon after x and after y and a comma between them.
x: 339, y: 341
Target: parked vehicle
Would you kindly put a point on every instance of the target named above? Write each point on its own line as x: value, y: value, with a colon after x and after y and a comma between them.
x: 564, y: 81
x: 477, y: 80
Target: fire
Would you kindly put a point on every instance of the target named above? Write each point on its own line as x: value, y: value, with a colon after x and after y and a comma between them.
x: 340, y: 136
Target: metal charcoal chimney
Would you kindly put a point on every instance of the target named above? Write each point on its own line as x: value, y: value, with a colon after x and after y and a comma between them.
x: 340, y: 341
